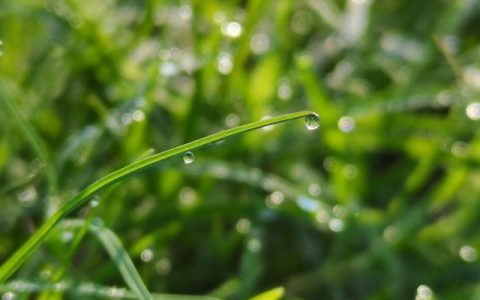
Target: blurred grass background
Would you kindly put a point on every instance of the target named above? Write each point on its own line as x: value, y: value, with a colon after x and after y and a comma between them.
x: 381, y: 202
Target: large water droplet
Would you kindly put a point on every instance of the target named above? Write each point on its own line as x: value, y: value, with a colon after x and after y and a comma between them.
x: 8, y: 296
x: 188, y: 157
x: 311, y: 121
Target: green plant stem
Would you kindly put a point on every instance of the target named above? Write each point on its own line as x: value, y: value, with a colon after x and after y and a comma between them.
x: 24, y: 252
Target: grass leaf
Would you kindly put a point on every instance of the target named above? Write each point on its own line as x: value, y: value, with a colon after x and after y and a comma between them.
x: 19, y: 256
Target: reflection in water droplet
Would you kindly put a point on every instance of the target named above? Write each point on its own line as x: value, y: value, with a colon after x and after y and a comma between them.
x: 188, y: 157
x: 473, y: 111
x: 146, y: 255
x: 243, y: 226
x: 163, y: 266
x: 346, y: 124
x: 311, y: 121
x: 468, y: 254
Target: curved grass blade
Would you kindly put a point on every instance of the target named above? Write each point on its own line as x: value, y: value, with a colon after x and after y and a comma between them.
x: 19, y: 256
x: 118, y: 254
x: 88, y: 291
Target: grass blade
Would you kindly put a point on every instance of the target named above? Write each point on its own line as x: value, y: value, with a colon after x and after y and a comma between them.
x: 118, y: 254
x: 19, y: 256
x: 32, y: 137
x: 88, y: 291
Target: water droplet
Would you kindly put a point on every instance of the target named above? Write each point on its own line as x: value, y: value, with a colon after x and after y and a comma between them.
x: 391, y: 234
x: 424, y: 293
x: 346, y: 124
x: 473, y: 111
x: 254, y: 245
x: 138, y: 116
x: 67, y: 236
x: 188, y: 157
x: 314, y: 189
x: 224, y: 63
x: 232, y: 29
x: 243, y: 226
x: 322, y: 216
x: 95, y: 200
x: 8, y: 296
x: 115, y: 292
x: 275, y: 199
x: 146, y: 255
x: 335, y: 225
x: 468, y: 254
x: 28, y: 196
x: 460, y: 149
x: 284, y: 91
x: 163, y: 266
x: 187, y: 196
x: 260, y: 43
x: 311, y: 121
x: 232, y: 120
x: 1, y: 47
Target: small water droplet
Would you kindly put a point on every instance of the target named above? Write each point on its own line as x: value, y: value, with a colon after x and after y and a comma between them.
x: 311, y: 121
x: 468, y: 254
x: 243, y: 226
x: 424, y: 292
x: 254, y: 245
x: 274, y: 199
x: 346, y: 124
x: 1, y: 47
x: 163, y: 266
x: 391, y: 234
x: 95, y: 200
x: 146, y: 255
x: 188, y: 157
x: 335, y: 225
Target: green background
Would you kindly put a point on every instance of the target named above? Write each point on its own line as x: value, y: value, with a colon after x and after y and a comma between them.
x: 380, y: 202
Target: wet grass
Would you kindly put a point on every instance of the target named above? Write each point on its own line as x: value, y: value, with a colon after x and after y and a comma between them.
x: 380, y: 202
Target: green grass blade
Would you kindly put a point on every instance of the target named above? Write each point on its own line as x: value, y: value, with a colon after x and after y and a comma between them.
x: 118, y: 254
x: 32, y: 137
x: 19, y: 256
x: 88, y: 291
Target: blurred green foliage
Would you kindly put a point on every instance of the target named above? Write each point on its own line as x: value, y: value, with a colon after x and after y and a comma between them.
x: 381, y: 202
